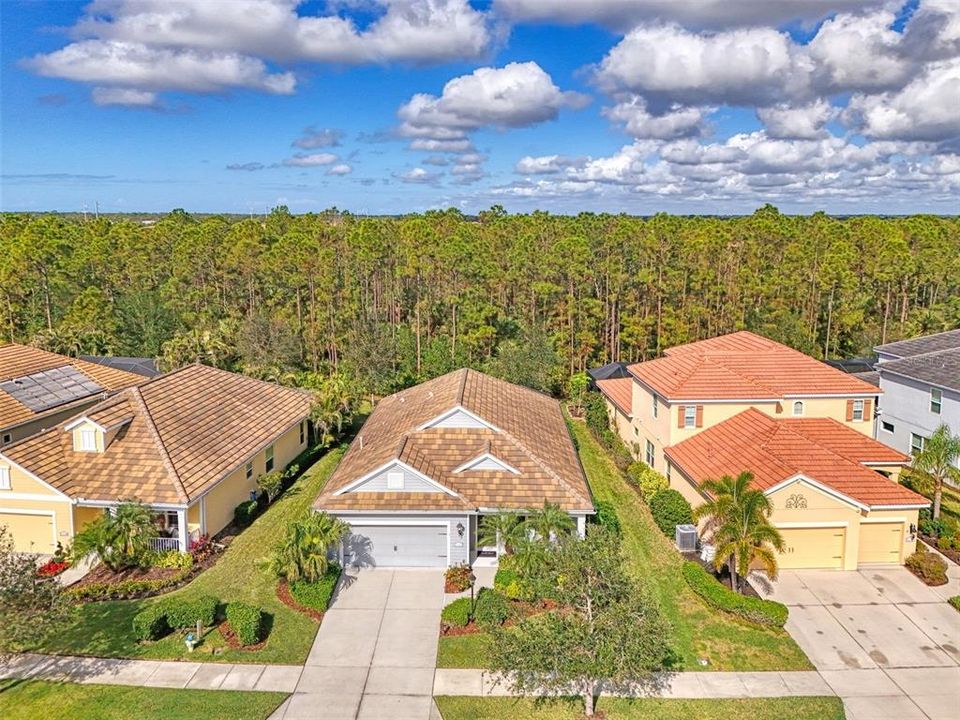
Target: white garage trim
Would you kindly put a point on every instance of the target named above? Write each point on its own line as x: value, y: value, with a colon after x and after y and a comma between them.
x: 864, y: 521
x: 49, y: 513
x: 33, y: 496
x: 791, y: 525
x: 405, y: 523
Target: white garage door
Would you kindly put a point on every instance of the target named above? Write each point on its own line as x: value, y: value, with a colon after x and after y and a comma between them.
x: 812, y: 547
x: 397, y: 546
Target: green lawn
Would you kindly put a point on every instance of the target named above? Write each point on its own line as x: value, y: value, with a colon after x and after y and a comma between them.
x: 33, y: 699
x: 103, y: 629
x: 806, y: 708
x: 700, y: 632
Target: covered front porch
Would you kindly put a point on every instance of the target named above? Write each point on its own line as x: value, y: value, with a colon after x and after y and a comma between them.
x: 177, y: 528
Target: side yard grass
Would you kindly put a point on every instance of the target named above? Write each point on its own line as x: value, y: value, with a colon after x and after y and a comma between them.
x: 32, y: 699
x: 799, y: 708
x: 699, y: 631
x: 103, y: 629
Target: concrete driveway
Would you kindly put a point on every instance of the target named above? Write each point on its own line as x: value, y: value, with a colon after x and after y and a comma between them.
x: 376, y: 651
x: 882, y: 620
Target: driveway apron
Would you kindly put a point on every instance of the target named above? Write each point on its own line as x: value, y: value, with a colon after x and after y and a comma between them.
x: 376, y: 652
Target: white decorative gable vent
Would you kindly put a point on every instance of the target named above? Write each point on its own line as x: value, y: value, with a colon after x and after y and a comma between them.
x: 459, y: 417
x: 487, y: 461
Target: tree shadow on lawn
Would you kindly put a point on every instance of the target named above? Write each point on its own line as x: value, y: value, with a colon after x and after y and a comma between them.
x: 98, y: 629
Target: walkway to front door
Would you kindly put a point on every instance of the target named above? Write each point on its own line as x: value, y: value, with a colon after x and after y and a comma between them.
x: 376, y: 651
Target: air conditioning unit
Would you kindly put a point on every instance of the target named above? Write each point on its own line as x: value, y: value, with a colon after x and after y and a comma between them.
x: 686, y: 538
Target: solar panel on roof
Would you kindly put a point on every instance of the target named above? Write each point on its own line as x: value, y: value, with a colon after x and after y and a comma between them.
x: 49, y: 388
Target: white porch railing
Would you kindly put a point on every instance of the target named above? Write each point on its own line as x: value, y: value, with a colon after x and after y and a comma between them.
x: 162, y: 544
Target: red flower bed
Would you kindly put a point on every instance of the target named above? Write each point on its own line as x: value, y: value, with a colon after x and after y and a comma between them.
x: 52, y: 568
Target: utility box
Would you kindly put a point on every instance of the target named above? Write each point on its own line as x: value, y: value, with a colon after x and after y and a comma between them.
x: 686, y: 538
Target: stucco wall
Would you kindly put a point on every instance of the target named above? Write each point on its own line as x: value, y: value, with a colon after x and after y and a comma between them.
x: 28, y: 494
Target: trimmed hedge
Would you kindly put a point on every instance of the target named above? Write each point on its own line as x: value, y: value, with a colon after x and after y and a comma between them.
x: 245, y: 513
x: 646, y: 480
x: 316, y: 596
x: 751, y: 609
x: 246, y: 621
x: 669, y: 509
x: 928, y: 566
x: 456, y: 614
x: 184, y: 614
x: 151, y: 623
x: 492, y: 609
x: 124, y: 590
x: 606, y: 516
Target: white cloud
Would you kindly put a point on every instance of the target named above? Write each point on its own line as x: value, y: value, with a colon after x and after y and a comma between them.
x: 676, y: 122
x: 341, y: 169
x: 546, y: 164
x: 418, y: 176
x: 311, y: 139
x: 124, y: 96
x: 804, y: 121
x: 310, y: 159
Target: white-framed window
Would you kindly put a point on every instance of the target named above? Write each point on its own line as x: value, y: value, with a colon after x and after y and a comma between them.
x: 248, y: 470
x: 4, y: 478
x: 268, y: 464
x: 887, y: 426
x: 303, y: 431
x: 857, y: 410
x: 689, y: 416
x: 7, y: 437
x: 916, y: 443
x: 651, y: 457
x: 395, y: 480
x: 656, y: 406
x: 88, y: 440
x: 797, y: 408
x: 936, y: 400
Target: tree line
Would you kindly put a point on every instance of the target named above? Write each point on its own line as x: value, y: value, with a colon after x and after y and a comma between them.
x: 534, y: 298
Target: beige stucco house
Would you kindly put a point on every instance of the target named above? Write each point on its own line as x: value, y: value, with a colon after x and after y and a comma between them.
x: 190, y: 444
x: 712, y: 407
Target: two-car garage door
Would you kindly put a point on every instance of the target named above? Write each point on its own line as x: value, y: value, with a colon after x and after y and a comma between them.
x: 397, y: 546
x: 32, y: 532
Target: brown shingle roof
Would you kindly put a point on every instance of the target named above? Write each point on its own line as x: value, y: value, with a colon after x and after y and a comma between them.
x: 20, y: 360
x: 530, y: 435
x: 774, y: 450
x: 743, y: 366
x: 181, y: 433
x: 619, y: 391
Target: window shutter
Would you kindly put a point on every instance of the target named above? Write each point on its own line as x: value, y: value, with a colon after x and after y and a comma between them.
x: 683, y: 411
x: 699, y: 422
x: 867, y: 408
x: 849, y: 410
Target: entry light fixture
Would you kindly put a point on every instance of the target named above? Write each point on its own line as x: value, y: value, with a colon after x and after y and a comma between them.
x: 460, y: 529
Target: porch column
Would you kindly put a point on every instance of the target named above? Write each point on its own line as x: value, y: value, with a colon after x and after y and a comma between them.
x: 582, y: 525
x: 182, y: 529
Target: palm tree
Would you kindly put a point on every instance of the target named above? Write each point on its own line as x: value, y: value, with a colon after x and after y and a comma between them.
x: 739, y: 516
x: 332, y: 407
x: 937, y: 461
x: 503, y: 530
x: 550, y: 521
x: 303, y: 554
x: 120, y: 538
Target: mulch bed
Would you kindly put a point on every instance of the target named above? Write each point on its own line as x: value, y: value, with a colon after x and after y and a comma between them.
x: 102, y: 574
x: 951, y: 553
x: 287, y: 598
x: 520, y: 610
x: 231, y: 638
x: 453, y: 588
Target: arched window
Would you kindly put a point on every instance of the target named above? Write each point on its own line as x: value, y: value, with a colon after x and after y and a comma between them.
x: 798, y: 408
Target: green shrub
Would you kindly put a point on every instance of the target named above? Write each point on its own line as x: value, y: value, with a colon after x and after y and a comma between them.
x: 246, y: 621
x: 316, y: 596
x: 595, y: 413
x: 492, y: 609
x: 509, y: 582
x: 184, y: 614
x: 607, y: 516
x: 928, y: 566
x: 457, y: 578
x: 173, y: 559
x: 269, y: 484
x: 955, y: 601
x: 151, y: 623
x: 933, y: 528
x: 647, y: 480
x: 669, y: 509
x: 751, y: 609
x: 245, y: 512
x: 124, y: 590
x: 948, y: 542
x: 456, y: 614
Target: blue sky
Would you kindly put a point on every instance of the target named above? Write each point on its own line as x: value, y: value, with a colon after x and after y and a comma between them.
x: 564, y: 105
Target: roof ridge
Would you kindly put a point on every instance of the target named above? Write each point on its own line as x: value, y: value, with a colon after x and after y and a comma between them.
x: 463, y: 386
x: 158, y: 441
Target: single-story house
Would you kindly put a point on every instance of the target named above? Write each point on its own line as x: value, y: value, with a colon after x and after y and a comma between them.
x: 190, y: 444
x: 432, y: 460
x: 38, y: 389
x: 834, y: 491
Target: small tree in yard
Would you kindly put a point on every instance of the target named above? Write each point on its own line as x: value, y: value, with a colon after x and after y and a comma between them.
x: 740, y: 517
x: 937, y: 462
x: 550, y: 521
x: 30, y: 606
x: 606, y: 629
x: 503, y: 530
x: 302, y: 554
x: 270, y: 484
x: 119, y: 539
x: 579, y: 383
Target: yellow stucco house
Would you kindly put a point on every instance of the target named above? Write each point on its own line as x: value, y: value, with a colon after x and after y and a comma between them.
x: 742, y: 402
x: 190, y: 444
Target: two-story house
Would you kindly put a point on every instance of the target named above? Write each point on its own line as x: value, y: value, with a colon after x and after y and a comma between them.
x: 742, y: 402
x: 920, y: 380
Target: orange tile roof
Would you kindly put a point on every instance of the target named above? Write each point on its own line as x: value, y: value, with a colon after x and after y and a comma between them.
x: 531, y: 436
x: 19, y: 360
x: 179, y: 434
x: 743, y: 366
x: 774, y: 450
x: 619, y: 391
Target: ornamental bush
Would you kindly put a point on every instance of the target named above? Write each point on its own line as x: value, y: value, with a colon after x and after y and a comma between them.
x: 456, y: 614
x: 184, y: 614
x: 245, y: 513
x: 246, y: 621
x: 669, y: 509
x: 607, y: 516
x: 508, y: 582
x: 457, y: 578
x: 955, y: 601
x: 647, y: 480
x: 928, y: 566
x: 316, y: 596
x: 151, y: 623
x: 492, y: 609
x: 595, y: 413
x: 751, y: 609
